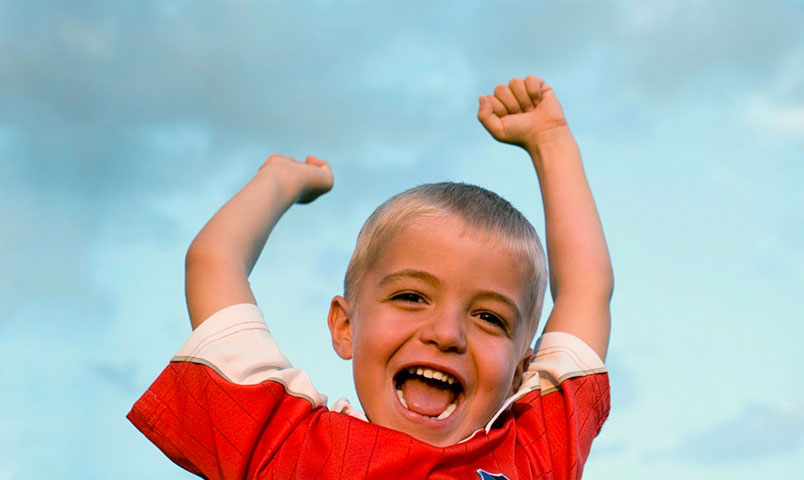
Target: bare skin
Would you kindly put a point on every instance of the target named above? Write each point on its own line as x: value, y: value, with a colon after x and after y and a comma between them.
x: 526, y: 113
x: 223, y: 254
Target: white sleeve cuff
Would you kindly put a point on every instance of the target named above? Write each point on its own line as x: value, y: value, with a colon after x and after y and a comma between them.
x: 236, y: 343
x: 560, y: 356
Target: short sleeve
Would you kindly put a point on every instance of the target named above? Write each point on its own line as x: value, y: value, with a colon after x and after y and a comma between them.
x: 227, y: 389
x: 573, y: 400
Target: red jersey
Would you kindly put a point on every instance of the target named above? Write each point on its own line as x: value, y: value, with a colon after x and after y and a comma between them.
x: 229, y: 405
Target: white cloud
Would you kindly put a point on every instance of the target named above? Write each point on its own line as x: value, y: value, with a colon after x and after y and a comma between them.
x: 777, y: 105
x: 780, y: 119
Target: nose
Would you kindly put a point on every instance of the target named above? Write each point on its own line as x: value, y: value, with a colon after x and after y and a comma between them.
x: 446, y: 331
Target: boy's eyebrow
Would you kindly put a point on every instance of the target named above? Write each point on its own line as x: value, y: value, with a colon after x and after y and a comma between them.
x: 410, y: 273
x: 432, y: 279
x: 501, y: 298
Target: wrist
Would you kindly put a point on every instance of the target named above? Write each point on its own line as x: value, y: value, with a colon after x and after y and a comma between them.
x: 557, y: 142
x: 549, y: 138
x: 286, y: 185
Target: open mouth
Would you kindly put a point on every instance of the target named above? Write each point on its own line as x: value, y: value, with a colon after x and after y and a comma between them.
x: 428, y: 392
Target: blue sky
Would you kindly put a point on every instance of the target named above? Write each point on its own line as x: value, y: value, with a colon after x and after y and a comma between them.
x: 125, y: 125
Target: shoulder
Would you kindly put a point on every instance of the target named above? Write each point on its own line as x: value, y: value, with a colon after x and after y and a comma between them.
x: 564, y: 402
x: 235, y: 343
x: 226, y: 387
x: 560, y: 357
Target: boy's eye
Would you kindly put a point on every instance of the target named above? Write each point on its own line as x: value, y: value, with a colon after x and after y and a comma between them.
x: 492, y: 319
x: 408, y: 297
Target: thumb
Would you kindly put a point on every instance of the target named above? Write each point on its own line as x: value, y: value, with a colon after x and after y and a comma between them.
x: 315, y: 161
x: 489, y: 119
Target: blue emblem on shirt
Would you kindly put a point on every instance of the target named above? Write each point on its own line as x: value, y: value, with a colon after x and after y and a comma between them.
x: 484, y: 475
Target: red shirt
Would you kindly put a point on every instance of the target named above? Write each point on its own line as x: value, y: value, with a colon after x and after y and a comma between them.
x: 229, y: 405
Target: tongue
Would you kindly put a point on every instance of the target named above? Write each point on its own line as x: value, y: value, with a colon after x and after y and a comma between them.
x: 425, y: 399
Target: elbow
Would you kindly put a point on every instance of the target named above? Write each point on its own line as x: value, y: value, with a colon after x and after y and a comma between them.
x: 600, y: 281
x: 607, y: 285
x: 197, y: 255
x: 602, y: 290
x: 598, y: 287
x: 204, y: 258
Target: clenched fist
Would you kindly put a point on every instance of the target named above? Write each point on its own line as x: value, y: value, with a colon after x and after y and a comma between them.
x: 307, y: 180
x: 524, y: 112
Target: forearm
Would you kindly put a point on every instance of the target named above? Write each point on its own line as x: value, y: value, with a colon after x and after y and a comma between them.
x: 526, y: 113
x: 224, y: 252
x: 577, y: 253
x: 581, y: 278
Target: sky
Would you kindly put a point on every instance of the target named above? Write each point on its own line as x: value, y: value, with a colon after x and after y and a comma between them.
x: 124, y: 125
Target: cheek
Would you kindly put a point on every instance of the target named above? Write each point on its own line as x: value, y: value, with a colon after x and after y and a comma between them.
x: 379, y: 326
x: 373, y: 339
x: 500, y: 370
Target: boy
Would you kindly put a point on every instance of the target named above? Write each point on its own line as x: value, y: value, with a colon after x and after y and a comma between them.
x: 441, y: 301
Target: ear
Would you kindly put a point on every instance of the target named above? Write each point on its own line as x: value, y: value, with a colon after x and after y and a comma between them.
x: 521, y: 367
x: 340, y: 327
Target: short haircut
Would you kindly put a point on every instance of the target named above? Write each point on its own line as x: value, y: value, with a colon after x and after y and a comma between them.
x: 480, y: 209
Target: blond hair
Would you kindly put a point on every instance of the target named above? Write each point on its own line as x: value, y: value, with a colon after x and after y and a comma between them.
x: 480, y: 209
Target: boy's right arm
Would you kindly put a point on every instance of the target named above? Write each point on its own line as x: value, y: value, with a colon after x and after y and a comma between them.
x: 526, y: 113
x: 224, y: 252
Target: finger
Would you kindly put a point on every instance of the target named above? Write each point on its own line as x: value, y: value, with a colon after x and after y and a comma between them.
x: 484, y: 108
x: 488, y: 117
x: 274, y: 158
x: 497, y: 106
x: 534, y: 86
x: 517, y: 86
x: 322, y: 172
x: 311, y: 160
x: 504, y: 94
x: 320, y: 163
x: 546, y: 89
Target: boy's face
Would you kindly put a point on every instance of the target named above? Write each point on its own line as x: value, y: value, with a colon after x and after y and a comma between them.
x: 441, y: 302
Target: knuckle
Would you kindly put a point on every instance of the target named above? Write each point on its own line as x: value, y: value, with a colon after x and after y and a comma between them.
x: 275, y: 157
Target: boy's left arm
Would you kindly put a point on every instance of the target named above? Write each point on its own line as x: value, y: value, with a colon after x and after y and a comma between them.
x: 526, y: 113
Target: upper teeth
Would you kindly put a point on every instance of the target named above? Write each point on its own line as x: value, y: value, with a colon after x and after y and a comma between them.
x: 433, y: 374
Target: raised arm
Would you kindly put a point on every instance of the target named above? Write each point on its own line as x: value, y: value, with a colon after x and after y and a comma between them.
x: 526, y: 113
x: 223, y: 253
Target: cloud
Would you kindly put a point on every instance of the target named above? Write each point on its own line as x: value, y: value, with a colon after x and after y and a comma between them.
x: 779, y: 119
x: 759, y: 431
x: 86, y: 86
x: 776, y: 106
x: 117, y: 104
x: 670, y: 45
x: 124, y: 125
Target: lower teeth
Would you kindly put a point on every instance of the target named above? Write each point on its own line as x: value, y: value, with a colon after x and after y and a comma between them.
x: 446, y: 413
